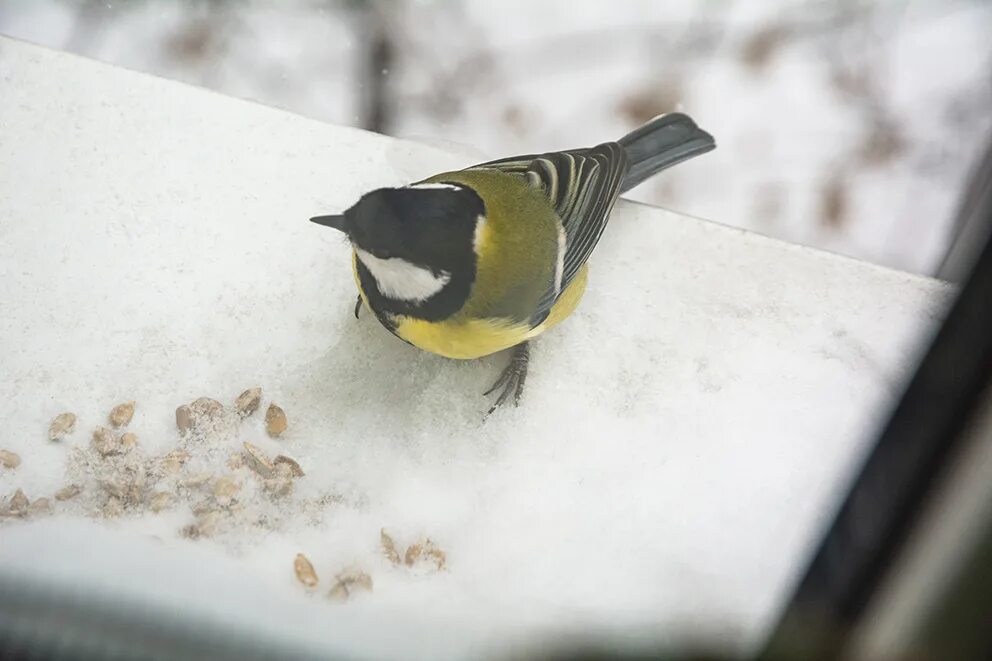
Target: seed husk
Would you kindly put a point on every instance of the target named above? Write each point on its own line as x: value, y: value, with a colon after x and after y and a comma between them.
x: 389, y: 547
x: 18, y: 504
x: 61, y: 426
x: 413, y: 553
x: 184, y: 418
x: 339, y: 592
x: 275, y: 420
x: 129, y: 440
x: 248, y: 401
x: 288, y: 461
x: 427, y: 551
x: 68, y: 492
x: 9, y: 459
x: 121, y: 414
x: 173, y: 462
x: 40, y: 506
x: 257, y: 460
x: 347, y: 582
x: 305, y: 573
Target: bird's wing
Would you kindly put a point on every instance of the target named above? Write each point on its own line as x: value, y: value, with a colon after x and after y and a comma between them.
x: 582, y: 186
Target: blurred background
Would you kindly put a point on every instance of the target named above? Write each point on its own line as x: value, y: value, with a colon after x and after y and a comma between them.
x: 848, y: 125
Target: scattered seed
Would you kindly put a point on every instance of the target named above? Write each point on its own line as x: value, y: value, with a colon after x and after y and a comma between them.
x: 9, y: 459
x: 275, y: 420
x: 248, y: 401
x: 257, y: 460
x: 160, y: 501
x: 127, y: 491
x: 184, y: 418
x: 304, y: 571
x: 40, y: 507
x: 129, y: 440
x: 439, y: 557
x: 206, y: 407
x: 173, y: 462
x: 68, y: 492
x: 105, y: 442
x: 426, y: 551
x: 121, y: 414
x: 389, y: 547
x: 62, y: 425
x: 347, y: 582
x: 18, y: 504
x: 287, y: 461
x: 413, y: 553
x: 353, y: 577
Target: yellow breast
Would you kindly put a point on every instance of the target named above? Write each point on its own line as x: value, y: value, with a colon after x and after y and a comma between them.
x: 473, y: 338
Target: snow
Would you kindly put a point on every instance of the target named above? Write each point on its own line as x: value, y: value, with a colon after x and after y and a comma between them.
x: 681, y: 443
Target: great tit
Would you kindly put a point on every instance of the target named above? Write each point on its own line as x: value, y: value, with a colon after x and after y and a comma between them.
x: 464, y: 264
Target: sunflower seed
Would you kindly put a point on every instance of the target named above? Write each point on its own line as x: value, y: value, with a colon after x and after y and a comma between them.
x: 121, y: 414
x: 40, y: 506
x: 257, y: 460
x: 275, y: 420
x: 18, y: 504
x: 62, y: 425
x: 305, y: 573
x: 184, y: 418
x: 248, y: 401
x: 68, y: 492
x: 9, y: 459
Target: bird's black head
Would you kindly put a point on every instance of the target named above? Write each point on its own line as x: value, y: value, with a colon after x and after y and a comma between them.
x: 415, y: 248
x: 429, y: 225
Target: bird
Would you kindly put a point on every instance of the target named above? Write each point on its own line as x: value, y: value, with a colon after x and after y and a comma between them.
x: 469, y: 263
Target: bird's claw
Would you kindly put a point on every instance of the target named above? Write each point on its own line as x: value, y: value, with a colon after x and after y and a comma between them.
x: 512, y: 379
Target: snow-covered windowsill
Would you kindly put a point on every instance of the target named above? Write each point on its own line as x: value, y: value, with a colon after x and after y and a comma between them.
x: 679, y: 447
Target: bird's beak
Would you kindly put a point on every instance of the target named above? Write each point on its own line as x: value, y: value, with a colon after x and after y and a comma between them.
x: 337, y: 222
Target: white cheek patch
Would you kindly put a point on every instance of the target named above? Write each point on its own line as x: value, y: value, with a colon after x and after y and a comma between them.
x: 400, y: 280
x: 435, y: 186
x: 560, y: 261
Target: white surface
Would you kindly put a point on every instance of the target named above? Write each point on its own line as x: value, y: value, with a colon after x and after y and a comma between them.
x: 680, y: 444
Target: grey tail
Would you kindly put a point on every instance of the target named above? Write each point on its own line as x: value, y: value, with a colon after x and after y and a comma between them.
x: 661, y: 143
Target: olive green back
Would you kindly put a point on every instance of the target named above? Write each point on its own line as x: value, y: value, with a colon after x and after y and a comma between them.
x: 518, y: 249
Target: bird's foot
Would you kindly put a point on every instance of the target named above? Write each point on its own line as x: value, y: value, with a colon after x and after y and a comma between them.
x: 511, y: 381
x: 358, y: 306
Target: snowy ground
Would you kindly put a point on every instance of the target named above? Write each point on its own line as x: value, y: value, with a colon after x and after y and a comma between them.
x: 677, y: 452
x: 846, y: 126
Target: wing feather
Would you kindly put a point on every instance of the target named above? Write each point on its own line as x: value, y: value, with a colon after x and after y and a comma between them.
x: 582, y: 185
